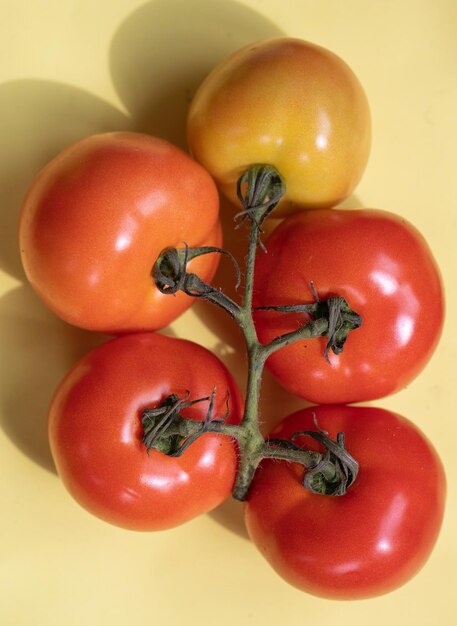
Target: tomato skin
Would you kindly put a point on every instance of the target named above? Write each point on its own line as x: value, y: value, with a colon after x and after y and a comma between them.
x: 375, y: 537
x: 95, y: 220
x: 385, y: 270
x: 95, y: 432
x: 286, y: 103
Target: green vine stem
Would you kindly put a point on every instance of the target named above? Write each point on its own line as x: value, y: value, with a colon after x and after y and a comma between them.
x: 259, y: 191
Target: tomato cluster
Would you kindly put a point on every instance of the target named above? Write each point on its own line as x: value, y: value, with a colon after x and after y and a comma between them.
x: 93, y: 225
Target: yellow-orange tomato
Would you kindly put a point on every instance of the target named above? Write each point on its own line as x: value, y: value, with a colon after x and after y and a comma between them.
x: 286, y: 103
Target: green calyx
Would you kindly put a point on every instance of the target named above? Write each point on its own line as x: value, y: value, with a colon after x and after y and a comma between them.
x: 166, y: 430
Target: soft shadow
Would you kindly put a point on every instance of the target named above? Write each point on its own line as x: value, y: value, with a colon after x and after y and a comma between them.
x: 230, y: 514
x: 155, y: 77
x: 215, y: 318
x: 352, y: 202
x: 39, y: 349
x: 37, y: 120
x: 276, y: 403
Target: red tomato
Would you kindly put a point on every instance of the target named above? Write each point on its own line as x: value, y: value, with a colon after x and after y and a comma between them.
x: 95, y: 220
x: 95, y: 432
x: 384, y: 269
x: 287, y: 103
x: 370, y: 540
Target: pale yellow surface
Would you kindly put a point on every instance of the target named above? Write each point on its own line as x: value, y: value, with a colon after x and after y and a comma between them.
x: 73, y: 67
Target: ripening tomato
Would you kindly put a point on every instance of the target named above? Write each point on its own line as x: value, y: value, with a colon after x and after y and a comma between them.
x: 95, y: 220
x: 286, y: 103
x: 95, y: 432
x: 368, y: 541
x: 385, y: 270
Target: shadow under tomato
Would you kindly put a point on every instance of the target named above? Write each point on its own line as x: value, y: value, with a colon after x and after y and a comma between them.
x: 352, y: 202
x: 216, y: 319
x: 164, y: 49
x: 230, y: 514
x: 37, y: 120
x: 37, y: 350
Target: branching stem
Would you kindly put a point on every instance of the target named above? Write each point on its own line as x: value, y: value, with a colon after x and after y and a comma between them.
x: 259, y: 190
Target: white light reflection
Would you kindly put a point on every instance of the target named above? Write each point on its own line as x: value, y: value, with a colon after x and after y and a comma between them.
x: 383, y: 546
x: 129, y: 495
x: 123, y: 242
x: 321, y: 142
x: 163, y: 482
x: 347, y: 568
x: 207, y: 459
x: 404, y: 329
x: 152, y: 203
x: 318, y: 374
x: 325, y: 128
x: 392, y: 521
x: 128, y: 227
x: 266, y: 140
x: 386, y: 283
x: 94, y: 278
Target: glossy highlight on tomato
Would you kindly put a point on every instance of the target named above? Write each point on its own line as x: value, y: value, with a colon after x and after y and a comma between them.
x: 97, y: 217
x: 95, y: 432
x: 290, y: 104
x: 385, y: 270
x: 369, y: 541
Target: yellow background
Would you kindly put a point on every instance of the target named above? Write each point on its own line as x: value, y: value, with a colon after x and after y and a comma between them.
x: 69, y: 68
